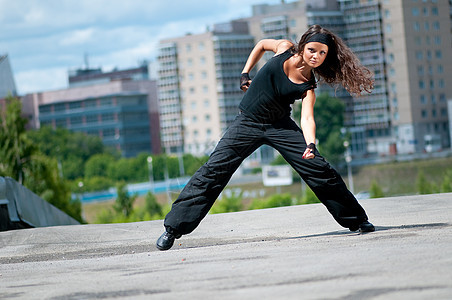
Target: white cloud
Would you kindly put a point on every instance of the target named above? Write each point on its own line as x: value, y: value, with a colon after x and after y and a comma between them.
x: 39, y: 80
x: 46, y: 38
x: 77, y: 37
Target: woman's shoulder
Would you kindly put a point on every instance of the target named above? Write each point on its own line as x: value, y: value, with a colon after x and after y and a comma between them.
x: 284, y: 46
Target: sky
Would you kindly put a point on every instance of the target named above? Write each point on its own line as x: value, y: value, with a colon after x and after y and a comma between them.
x: 46, y: 38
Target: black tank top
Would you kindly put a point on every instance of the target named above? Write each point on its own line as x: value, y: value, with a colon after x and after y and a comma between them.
x: 271, y: 92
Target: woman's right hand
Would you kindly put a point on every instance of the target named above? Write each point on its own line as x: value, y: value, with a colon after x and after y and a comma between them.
x: 245, y: 81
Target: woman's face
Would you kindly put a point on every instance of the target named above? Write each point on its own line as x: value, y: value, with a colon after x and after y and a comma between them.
x: 314, y: 54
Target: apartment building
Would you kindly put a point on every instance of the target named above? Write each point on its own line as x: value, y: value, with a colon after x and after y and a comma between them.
x: 120, y: 107
x: 198, y: 86
x: 405, y: 43
x: 7, y: 83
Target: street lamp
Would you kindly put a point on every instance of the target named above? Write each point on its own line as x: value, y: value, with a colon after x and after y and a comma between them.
x: 348, y: 160
x: 151, y: 174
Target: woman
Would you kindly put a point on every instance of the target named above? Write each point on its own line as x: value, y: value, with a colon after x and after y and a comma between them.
x: 265, y: 119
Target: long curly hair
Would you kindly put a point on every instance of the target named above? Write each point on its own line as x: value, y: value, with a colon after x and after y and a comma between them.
x: 341, y: 66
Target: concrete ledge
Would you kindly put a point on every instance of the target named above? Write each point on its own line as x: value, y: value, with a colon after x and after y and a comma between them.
x: 296, y: 252
x: 21, y: 208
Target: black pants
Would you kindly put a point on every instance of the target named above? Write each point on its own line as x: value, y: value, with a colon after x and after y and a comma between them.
x: 242, y: 138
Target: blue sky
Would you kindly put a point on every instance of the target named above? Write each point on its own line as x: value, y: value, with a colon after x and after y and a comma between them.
x: 46, y: 38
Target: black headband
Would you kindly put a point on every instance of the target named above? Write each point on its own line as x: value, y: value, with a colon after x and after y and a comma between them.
x: 321, y: 38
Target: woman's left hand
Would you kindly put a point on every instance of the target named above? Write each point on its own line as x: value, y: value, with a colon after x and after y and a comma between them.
x: 309, y: 152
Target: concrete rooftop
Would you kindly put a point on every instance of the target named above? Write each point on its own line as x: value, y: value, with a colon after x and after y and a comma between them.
x: 296, y: 252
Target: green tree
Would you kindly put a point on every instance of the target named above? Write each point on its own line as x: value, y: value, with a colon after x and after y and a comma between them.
x: 71, y: 149
x: 124, y: 202
x: 152, y: 207
x: 193, y: 163
x: 276, y: 200
x: 446, y: 185
x: 329, y: 119
x: 309, y: 197
x: 23, y: 162
x: 228, y: 204
x: 423, y: 186
x: 16, y: 149
x: 375, y: 190
x: 98, y: 164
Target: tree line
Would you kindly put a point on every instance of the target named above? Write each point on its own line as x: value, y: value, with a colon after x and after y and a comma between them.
x: 57, y: 163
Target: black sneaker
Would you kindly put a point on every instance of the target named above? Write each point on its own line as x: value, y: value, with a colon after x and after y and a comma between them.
x: 166, y: 241
x: 365, y: 226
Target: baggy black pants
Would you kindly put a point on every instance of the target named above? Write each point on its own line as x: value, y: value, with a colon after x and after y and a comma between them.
x: 241, y: 139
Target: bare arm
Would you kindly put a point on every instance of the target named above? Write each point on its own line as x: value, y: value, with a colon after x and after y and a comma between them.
x: 307, y: 122
x: 277, y: 46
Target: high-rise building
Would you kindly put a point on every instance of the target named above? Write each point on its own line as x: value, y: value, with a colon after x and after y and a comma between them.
x: 199, y: 86
x: 7, y: 84
x: 407, y: 43
x: 120, y: 107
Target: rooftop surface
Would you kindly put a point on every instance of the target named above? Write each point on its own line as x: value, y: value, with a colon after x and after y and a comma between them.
x: 296, y: 252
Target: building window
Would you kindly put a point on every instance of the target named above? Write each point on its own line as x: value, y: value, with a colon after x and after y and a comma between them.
x: 207, y: 117
x: 201, y: 46
x: 110, y: 132
x: 434, y: 11
x: 424, y: 113
x: 205, y: 89
x: 436, y: 25
x: 420, y: 70
x: 441, y: 83
x: 416, y: 26
x: 188, y: 48
x: 59, y: 107
x: 392, y: 72
x: 438, y: 54
x: 423, y: 99
x: 415, y: 12
x: 437, y: 40
x: 425, y: 11
x: 202, y: 60
x: 417, y: 40
x: 419, y: 55
x: 90, y: 103
x: 421, y: 84
x: 388, y: 28
x: 206, y: 103
x: 91, y: 119
x: 75, y: 105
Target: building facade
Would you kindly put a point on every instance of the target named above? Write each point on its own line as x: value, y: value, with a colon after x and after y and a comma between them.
x: 7, y: 83
x: 198, y: 86
x: 121, y: 109
x: 405, y: 43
